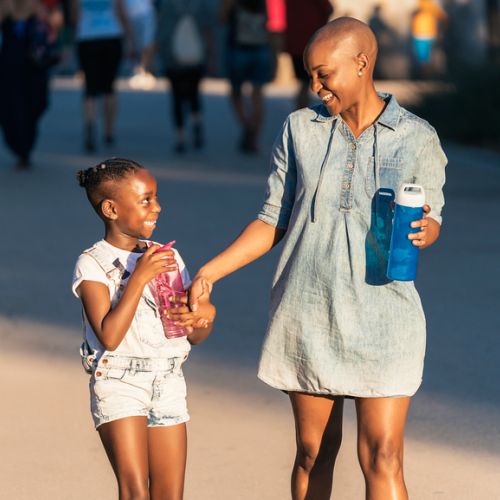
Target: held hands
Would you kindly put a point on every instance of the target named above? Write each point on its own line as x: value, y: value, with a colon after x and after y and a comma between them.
x: 199, y: 323
x: 153, y: 263
x: 429, y: 230
x: 183, y: 316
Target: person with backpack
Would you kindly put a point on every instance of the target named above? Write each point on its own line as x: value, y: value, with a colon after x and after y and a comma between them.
x: 183, y: 42
x: 251, y: 60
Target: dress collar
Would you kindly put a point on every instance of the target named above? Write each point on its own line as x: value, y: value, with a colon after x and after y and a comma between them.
x: 389, y: 117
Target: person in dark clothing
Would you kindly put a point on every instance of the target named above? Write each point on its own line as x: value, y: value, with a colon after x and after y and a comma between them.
x: 302, y: 20
x: 250, y: 60
x: 184, y: 45
x: 23, y: 76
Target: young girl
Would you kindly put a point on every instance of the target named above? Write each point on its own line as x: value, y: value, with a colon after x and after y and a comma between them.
x: 338, y: 327
x: 137, y: 388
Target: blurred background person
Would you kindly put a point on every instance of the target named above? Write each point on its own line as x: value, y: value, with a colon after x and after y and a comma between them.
x: 250, y: 60
x: 100, y: 28
x: 51, y: 11
x: 302, y: 20
x: 184, y: 44
x: 424, y: 31
x: 141, y: 15
x: 27, y: 50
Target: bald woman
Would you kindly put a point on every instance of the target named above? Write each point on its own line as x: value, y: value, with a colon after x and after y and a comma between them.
x: 338, y: 327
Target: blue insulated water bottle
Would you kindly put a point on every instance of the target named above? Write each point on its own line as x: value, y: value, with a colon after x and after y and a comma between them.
x: 403, y: 254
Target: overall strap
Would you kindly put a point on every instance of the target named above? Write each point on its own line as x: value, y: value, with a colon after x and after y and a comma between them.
x: 113, y: 268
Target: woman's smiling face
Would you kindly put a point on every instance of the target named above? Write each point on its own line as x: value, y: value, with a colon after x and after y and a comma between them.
x: 334, y: 75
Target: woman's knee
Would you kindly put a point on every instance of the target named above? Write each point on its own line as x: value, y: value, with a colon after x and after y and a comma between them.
x: 318, y: 453
x: 382, y: 459
x: 133, y: 489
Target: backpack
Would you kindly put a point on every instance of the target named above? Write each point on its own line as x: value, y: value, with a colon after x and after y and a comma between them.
x: 187, y: 45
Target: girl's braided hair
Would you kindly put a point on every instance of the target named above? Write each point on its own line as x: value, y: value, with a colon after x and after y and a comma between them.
x: 96, y: 180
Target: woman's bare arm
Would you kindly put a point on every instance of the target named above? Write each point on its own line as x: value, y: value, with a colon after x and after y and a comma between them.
x: 254, y: 241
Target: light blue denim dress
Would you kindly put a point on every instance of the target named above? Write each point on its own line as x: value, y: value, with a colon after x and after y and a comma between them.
x: 337, y: 325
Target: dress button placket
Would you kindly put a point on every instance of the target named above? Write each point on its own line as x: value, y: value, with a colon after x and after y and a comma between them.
x: 345, y: 200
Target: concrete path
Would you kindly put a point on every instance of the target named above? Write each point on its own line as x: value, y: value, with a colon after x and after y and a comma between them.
x: 241, y: 437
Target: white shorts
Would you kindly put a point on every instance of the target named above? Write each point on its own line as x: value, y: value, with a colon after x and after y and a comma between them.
x: 128, y: 387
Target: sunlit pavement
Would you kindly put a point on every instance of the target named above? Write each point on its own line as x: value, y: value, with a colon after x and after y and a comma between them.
x: 241, y: 436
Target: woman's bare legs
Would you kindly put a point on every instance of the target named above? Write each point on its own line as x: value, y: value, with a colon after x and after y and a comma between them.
x: 318, y: 426
x: 126, y: 444
x: 167, y: 461
x: 381, y: 423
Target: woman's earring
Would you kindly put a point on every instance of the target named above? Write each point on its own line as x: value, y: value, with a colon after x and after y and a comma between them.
x: 360, y: 73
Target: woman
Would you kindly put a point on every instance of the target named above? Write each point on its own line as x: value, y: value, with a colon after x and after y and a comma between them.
x: 338, y: 327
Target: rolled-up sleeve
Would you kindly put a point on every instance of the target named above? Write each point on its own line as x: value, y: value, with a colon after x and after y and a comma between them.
x: 281, y: 184
x: 431, y: 175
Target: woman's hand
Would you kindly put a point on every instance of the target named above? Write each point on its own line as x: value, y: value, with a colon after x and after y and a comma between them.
x: 153, y: 263
x: 429, y: 230
x: 199, y: 287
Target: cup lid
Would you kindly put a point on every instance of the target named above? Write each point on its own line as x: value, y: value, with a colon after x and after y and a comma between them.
x: 411, y: 195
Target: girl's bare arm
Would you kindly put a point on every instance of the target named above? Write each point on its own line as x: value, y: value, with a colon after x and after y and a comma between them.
x: 111, y: 324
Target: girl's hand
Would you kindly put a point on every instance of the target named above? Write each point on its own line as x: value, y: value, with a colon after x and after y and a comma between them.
x: 153, y: 263
x: 183, y: 316
x: 199, y: 324
x: 429, y: 230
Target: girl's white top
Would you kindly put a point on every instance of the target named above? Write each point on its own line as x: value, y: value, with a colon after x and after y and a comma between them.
x: 145, y: 337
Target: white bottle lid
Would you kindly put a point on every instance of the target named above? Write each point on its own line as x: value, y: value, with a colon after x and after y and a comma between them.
x: 411, y: 195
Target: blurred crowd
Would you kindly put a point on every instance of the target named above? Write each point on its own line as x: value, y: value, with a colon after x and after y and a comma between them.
x: 182, y: 40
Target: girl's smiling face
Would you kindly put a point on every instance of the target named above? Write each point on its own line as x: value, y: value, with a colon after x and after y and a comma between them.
x: 334, y: 75
x: 135, y: 207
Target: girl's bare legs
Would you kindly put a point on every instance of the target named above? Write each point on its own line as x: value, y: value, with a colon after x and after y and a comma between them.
x: 318, y: 427
x: 126, y: 444
x: 381, y: 423
x: 167, y: 461
x: 149, y: 462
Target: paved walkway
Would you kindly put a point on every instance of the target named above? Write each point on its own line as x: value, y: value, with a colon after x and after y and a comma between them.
x: 241, y: 434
